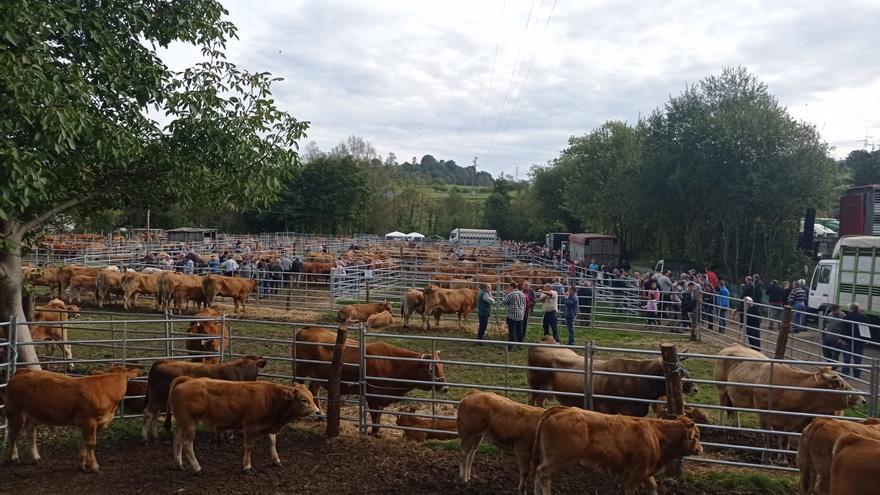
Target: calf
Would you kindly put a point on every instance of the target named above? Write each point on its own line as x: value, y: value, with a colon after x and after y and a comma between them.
x: 696, y: 414
x: 257, y: 408
x: 164, y: 371
x: 408, y: 418
x: 413, y: 302
x: 636, y: 448
x: 88, y: 402
x: 185, y: 294
x: 380, y: 320
x: 55, y: 311
x: 108, y: 282
x: 210, y: 329
x: 854, y: 468
x: 361, y: 312
x: 816, y: 445
x: 79, y: 283
x: 508, y: 425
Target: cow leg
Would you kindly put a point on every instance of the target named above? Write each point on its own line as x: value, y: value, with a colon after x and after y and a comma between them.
x: 14, y: 423
x: 523, y: 460
x: 187, y: 436
x: 543, y: 476
x: 633, y: 485
x: 376, y: 416
x: 88, y: 462
x: 178, y: 449
x: 276, y: 461
x: 459, y: 321
x: 468, y: 446
x: 250, y: 438
x: 30, y: 431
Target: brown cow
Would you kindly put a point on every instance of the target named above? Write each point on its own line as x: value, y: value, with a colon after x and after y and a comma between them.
x: 816, y: 446
x: 854, y: 469
x: 316, y: 344
x: 169, y: 281
x: 447, y: 301
x: 183, y: 295
x: 88, y: 402
x: 380, y: 320
x: 79, y: 283
x: 636, y: 448
x: 54, y: 311
x: 413, y: 302
x: 360, y: 312
x: 506, y: 424
x: 408, y: 417
x: 108, y: 282
x: 209, y: 327
x: 571, y: 383
x: 135, y: 390
x: 45, y: 277
x: 696, y: 414
x: 134, y: 283
x: 67, y: 272
x: 164, y: 371
x: 257, y: 408
x: 753, y: 372
x: 235, y: 287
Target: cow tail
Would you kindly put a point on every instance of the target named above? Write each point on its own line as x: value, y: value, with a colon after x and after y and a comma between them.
x: 534, y: 459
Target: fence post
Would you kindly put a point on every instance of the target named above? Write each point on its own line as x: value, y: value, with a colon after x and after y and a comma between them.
x: 12, y: 350
x: 169, y: 345
x: 333, y: 403
x: 874, y: 388
x: 696, y: 314
x: 362, y: 366
x: 225, y: 343
x: 589, y: 350
x: 367, y: 289
x: 784, y: 331
x: 674, y: 398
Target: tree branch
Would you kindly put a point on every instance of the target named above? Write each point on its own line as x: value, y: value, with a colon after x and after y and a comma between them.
x: 46, y: 215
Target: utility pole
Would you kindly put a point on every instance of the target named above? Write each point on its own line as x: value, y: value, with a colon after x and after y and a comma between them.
x: 475, y: 174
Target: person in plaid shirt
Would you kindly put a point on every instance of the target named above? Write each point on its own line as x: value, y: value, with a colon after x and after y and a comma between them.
x: 515, y: 301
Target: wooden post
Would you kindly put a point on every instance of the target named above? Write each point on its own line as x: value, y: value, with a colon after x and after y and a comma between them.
x: 368, y: 289
x: 333, y: 392
x: 784, y: 331
x: 674, y: 398
x: 696, y: 314
x: 588, y: 375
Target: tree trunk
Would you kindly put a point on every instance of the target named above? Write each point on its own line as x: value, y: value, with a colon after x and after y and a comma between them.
x: 10, y: 296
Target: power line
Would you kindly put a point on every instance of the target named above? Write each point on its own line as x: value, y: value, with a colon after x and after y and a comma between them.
x: 491, y: 79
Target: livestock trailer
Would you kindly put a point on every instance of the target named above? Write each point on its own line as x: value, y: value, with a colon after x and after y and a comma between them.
x: 473, y: 237
x: 558, y: 241
x: 860, y: 211
x: 602, y: 248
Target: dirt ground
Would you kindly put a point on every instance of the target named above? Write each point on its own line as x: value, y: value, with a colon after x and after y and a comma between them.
x: 312, y: 464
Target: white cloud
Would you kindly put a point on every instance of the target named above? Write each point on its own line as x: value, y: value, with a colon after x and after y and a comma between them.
x: 414, y: 77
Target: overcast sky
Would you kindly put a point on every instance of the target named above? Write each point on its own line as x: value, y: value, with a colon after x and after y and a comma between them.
x: 510, y: 81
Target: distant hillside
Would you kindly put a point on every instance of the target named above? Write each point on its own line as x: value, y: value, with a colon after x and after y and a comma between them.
x: 444, y: 171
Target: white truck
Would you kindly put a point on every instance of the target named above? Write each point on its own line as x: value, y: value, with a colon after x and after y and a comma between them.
x: 474, y: 237
x: 852, y: 274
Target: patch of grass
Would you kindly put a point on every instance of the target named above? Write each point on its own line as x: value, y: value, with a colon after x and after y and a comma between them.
x: 741, y: 482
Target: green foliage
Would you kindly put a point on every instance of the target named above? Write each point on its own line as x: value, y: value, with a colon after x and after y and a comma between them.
x: 740, y: 482
x: 76, y: 81
x: 864, y: 167
x: 329, y: 194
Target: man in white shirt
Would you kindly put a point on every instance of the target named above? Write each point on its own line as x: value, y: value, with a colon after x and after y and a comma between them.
x: 549, y: 300
x: 230, y: 266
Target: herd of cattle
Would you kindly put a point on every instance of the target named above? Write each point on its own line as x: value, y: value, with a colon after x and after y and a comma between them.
x: 614, y: 437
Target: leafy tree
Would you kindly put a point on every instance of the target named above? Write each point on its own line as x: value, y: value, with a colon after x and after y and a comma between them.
x: 729, y: 173
x: 76, y: 81
x: 329, y: 194
x: 864, y: 167
x: 598, y: 173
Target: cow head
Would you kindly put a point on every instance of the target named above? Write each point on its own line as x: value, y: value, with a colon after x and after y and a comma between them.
x: 698, y: 415
x: 691, y: 438
x: 431, y: 370
x: 387, y: 306
x: 830, y: 379
x: 300, y: 401
x: 687, y: 387
x: 256, y: 362
x: 72, y: 311
x: 129, y: 370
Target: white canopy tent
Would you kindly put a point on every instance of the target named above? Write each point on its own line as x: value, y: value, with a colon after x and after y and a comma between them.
x: 395, y: 235
x: 415, y: 236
